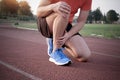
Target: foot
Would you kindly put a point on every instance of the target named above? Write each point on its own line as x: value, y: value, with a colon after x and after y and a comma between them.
x: 59, y: 58
x: 50, y: 46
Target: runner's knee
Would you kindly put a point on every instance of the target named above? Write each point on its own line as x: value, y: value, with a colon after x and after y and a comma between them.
x: 63, y: 16
x: 86, y: 54
x: 82, y: 53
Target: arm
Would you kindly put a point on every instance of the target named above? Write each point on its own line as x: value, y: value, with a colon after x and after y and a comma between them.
x: 44, y: 8
x: 76, y: 28
x: 81, y: 22
x: 82, y: 17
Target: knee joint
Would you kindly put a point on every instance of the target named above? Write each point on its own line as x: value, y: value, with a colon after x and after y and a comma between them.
x: 64, y: 16
x: 87, y: 54
x: 84, y: 54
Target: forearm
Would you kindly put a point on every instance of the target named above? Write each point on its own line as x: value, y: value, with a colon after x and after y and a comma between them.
x: 73, y: 31
x: 76, y: 28
x: 81, y: 22
x: 43, y: 11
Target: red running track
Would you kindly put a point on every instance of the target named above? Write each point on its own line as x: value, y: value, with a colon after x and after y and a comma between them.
x: 23, y: 56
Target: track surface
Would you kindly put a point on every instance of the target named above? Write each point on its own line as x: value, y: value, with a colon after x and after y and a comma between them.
x: 23, y: 56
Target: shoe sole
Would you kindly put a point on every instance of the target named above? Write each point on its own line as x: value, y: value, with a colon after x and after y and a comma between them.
x: 60, y: 64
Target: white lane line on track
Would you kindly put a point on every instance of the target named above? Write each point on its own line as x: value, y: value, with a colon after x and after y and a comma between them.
x: 99, y: 53
x: 20, y: 71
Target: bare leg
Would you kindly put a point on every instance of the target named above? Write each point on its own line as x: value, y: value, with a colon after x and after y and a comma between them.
x: 57, y: 24
x: 59, y: 27
x: 79, y: 50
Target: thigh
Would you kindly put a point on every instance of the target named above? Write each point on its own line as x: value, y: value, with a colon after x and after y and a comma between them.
x: 78, y: 46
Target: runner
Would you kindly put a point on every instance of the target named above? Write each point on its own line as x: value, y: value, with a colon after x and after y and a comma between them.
x: 55, y: 23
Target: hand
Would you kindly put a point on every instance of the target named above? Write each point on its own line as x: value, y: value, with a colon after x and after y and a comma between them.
x: 61, y: 41
x: 62, y: 8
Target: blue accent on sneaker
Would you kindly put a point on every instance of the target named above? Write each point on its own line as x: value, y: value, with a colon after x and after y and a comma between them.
x: 50, y: 45
x: 59, y: 58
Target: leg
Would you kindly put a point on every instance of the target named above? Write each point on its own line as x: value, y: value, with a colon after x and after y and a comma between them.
x: 78, y: 50
x: 57, y: 24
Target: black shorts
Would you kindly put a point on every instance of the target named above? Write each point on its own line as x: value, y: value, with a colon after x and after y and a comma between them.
x: 44, y: 28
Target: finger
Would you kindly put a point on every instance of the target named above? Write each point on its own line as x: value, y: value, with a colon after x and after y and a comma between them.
x: 59, y: 44
x: 61, y: 38
x: 66, y: 7
x: 64, y: 11
x: 65, y: 4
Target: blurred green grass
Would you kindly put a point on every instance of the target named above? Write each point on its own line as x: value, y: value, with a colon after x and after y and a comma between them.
x: 109, y: 31
x: 101, y: 30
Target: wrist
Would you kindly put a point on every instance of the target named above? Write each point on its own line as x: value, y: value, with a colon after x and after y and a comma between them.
x: 52, y: 7
x: 68, y: 35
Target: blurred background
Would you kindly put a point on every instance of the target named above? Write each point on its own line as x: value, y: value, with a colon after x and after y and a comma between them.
x: 103, y: 20
x: 17, y: 10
